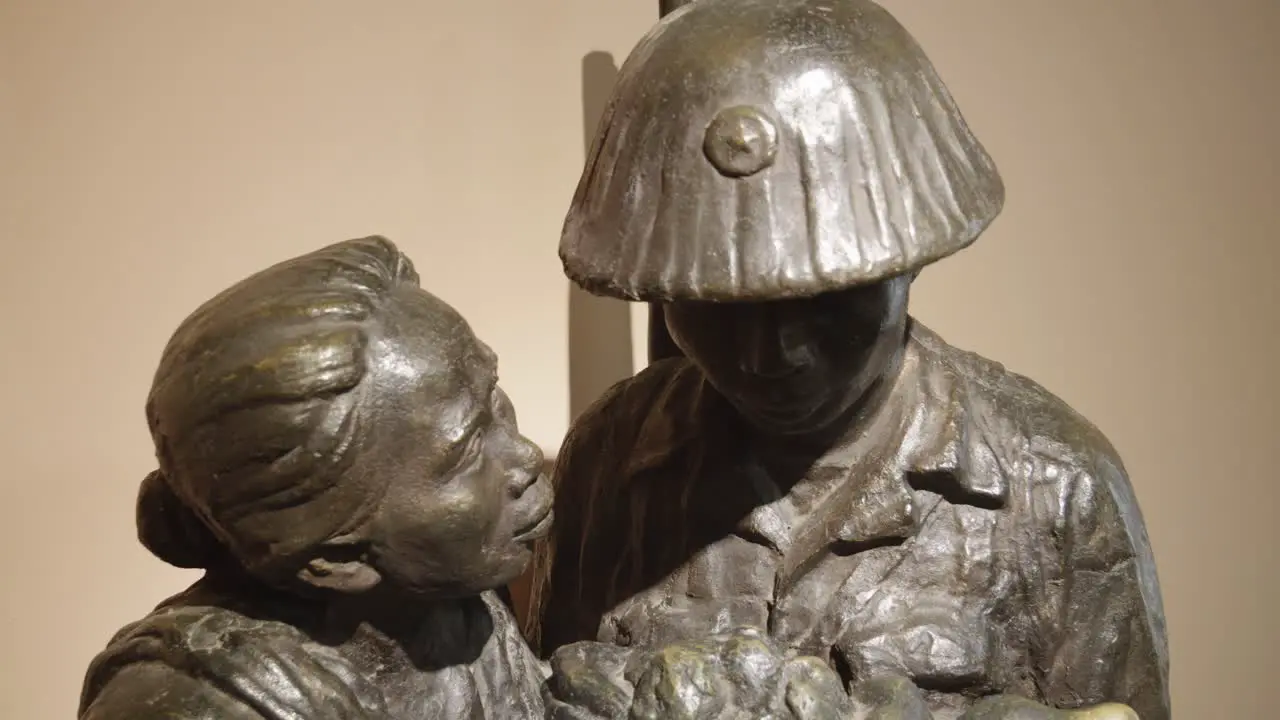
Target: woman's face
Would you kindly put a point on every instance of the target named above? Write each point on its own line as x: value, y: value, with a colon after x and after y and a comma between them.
x: 795, y: 366
x: 466, y: 495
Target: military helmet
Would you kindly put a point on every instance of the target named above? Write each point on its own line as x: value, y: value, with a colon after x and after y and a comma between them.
x: 765, y: 149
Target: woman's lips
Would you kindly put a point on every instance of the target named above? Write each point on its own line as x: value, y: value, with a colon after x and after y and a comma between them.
x: 539, y: 528
x: 540, y: 516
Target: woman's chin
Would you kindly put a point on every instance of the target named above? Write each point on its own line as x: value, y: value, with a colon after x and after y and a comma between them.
x: 504, y: 570
x: 519, y: 558
x: 458, y: 588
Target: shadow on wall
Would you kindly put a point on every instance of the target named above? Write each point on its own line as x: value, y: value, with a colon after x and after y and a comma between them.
x: 599, y: 328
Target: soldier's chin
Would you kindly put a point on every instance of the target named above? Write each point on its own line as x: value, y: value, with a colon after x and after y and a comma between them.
x: 798, y: 419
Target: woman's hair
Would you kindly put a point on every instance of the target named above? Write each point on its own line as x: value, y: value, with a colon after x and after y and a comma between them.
x: 256, y: 409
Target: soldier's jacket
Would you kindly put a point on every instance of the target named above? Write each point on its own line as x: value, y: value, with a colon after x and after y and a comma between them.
x: 979, y: 537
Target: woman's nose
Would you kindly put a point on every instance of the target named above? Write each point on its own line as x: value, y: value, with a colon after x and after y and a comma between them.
x: 526, y: 465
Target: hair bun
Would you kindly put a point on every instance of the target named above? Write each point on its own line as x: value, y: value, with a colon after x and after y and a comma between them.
x: 170, y: 530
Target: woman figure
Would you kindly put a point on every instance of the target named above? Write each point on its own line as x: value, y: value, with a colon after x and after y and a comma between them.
x: 335, y: 453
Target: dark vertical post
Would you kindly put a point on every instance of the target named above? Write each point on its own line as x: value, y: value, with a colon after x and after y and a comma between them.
x: 666, y: 7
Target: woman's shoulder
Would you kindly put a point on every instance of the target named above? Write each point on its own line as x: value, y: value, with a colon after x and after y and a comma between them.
x: 508, y: 672
x: 153, y: 691
x: 216, y: 661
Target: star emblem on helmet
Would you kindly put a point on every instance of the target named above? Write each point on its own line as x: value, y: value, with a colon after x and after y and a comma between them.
x: 741, y: 141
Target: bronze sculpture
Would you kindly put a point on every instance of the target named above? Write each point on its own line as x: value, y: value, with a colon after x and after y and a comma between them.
x: 336, y: 455
x: 775, y: 173
x: 810, y: 507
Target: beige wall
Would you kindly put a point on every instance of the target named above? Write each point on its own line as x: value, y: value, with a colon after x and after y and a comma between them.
x: 152, y: 152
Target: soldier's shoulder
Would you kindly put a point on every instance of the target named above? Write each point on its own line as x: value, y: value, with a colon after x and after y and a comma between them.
x: 1062, y: 473
x: 623, y: 408
x: 1022, y: 421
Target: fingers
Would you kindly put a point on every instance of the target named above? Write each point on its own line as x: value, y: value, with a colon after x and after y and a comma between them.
x: 1110, y: 711
x: 588, y: 678
x: 892, y: 697
x: 681, y: 683
x: 1003, y: 707
x: 814, y: 692
x: 737, y: 674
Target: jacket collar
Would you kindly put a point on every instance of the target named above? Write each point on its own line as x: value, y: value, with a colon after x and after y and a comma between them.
x: 928, y: 435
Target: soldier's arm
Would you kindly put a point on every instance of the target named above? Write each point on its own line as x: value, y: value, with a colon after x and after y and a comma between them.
x: 555, y: 615
x: 554, y: 569
x: 1107, y: 639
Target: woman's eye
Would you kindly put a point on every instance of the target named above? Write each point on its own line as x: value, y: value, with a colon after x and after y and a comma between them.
x: 471, y: 453
x: 502, y: 406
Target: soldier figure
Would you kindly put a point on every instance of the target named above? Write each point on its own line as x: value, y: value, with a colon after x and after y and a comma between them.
x: 816, y: 463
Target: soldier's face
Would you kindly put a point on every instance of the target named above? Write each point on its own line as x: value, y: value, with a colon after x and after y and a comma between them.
x: 795, y: 366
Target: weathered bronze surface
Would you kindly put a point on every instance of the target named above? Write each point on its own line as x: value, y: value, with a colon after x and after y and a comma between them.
x: 814, y: 462
x: 337, y: 457
x: 335, y: 454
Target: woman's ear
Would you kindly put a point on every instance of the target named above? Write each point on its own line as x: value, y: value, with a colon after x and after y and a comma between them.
x: 340, y: 567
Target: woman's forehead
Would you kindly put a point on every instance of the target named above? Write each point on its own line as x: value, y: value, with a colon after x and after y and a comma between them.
x: 431, y: 351
x: 452, y: 400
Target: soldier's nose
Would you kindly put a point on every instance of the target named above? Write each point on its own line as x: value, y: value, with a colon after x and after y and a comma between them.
x: 774, y: 352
